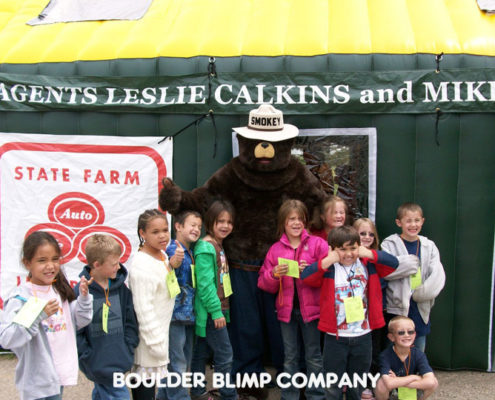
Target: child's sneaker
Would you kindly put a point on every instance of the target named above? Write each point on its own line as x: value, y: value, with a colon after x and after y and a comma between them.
x: 367, y: 395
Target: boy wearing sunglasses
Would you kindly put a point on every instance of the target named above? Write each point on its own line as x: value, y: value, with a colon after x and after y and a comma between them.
x: 404, y: 368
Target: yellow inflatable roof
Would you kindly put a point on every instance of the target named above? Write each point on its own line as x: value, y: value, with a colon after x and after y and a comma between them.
x: 229, y: 28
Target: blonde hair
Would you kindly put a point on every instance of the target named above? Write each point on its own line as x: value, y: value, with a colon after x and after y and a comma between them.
x: 395, y: 320
x: 364, y: 220
x: 328, y: 203
x: 405, y: 207
x: 99, y: 247
x: 285, y: 209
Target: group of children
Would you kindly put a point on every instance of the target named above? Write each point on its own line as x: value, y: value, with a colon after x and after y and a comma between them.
x: 333, y: 285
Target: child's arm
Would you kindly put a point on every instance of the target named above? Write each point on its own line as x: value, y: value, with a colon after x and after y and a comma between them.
x: 82, y: 307
x: 267, y: 280
x: 426, y: 382
x: 13, y: 335
x: 392, y: 381
x: 205, y: 286
x: 385, y: 263
x: 434, y: 282
x: 175, y: 254
x: 313, y: 274
x: 408, y: 265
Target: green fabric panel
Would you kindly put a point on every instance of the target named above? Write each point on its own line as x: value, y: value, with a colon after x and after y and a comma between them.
x: 436, y: 191
x: 60, y: 123
x: 475, y: 216
x: 94, y: 123
x: 22, y: 122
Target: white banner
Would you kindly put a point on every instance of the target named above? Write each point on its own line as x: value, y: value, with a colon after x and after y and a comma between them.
x: 72, y: 187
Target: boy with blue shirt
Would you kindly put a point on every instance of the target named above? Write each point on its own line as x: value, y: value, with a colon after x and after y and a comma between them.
x: 181, y: 334
x: 414, y: 295
x: 107, y: 344
x: 404, y: 368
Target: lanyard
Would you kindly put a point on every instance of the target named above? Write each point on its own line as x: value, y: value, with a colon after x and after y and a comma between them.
x: 165, y: 262
x: 417, y: 246
x: 107, y: 292
x: 406, y: 368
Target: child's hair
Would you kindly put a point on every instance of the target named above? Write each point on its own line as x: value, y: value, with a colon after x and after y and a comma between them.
x: 99, y: 247
x: 364, y: 220
x: 395, y: 320
x: 405, y: 207
x: 328, y: 203
x: 29, y: 247
x: 341, y: 235
x: 145, y: 218
x: 216, y: 208
x: 181, y: 217
x: 286, y: 208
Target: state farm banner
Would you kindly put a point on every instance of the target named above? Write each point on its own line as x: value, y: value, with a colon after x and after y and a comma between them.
x: 73, y: 187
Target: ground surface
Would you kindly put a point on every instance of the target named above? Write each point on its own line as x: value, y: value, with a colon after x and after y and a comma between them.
x: 463, y: 385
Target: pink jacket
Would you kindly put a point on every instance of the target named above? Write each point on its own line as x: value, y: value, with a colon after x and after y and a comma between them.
x: 311, y: 249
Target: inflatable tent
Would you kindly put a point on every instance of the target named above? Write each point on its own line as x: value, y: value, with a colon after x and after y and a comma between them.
x: 420, y: 73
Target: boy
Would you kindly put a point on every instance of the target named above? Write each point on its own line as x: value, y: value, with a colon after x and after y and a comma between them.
x: 403, y: 366
x: 107, y: 344
x: 351, y: 304
x: 181, y: 334
x: 414, y: 296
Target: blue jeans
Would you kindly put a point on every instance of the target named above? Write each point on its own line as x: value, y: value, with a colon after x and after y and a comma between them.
x: 108, y: 392
x: 216, y: 340
x: 314, y: 361
x: 420, y: 342
x: 180, y: 346
x: 351, y: 355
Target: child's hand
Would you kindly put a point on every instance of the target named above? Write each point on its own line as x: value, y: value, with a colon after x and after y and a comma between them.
x: 280, y: 270
x: 51, y: 307
x: 303, y: 264
x: 330, y: 259
x: 391, y: 374
x: 364, y: 252
x: 220, y: 323
x: 178, y: 257
x: 83, y: 285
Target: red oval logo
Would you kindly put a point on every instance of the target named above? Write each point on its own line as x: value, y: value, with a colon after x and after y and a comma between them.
x: 76, y: 210
x: 63, y: 235
x: 82, y: 237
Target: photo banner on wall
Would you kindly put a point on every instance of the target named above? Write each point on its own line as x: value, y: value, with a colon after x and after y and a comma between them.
x: 73, y: 187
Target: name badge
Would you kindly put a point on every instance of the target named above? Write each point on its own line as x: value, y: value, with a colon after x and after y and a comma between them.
x: 172, y: 284
x: 193, y: 276
x: 416, y: 279
x: 227, y: 285
x: 30, y: 311
x: 104, y: 318
x: 354, y: 310
x: 407, y: 393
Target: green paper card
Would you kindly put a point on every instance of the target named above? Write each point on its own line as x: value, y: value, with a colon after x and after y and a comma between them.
x: 407, y: 393
x: 193, y: 276
x: 293, y: 266
x: 104, y: 318
x: 172, y: 284
x: 227, y: 285
x: 354, y: 310
x: 416, y: 279
x: 30, y: 311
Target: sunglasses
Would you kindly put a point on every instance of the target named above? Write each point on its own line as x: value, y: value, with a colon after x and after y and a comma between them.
x: 402, y: 333
x: 370, y: 234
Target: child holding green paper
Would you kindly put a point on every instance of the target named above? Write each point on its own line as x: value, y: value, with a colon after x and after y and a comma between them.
x: 298, y: 305
x: 414, y: 295
x: 149, y: 281
x: 212, y: 305
x: 44, y: 339
x: 113, y: 329
x: 404, y: 368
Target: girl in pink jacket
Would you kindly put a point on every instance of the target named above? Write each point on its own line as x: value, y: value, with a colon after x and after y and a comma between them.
x: 297, y: 303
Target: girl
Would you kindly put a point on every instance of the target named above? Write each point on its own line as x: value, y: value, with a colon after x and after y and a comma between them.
x: 45, y: 344
x: 367, y: 233
x: 152, y: 302
x: 333, y: 212
x: 212, y: 302
x: 297, y: 303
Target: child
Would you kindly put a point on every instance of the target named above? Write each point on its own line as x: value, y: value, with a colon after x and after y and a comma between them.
x: 414, y: 296
x: 351, y: 304
x: 181, y: 336
x: 403, y: 366
x: 152, y: 301
x: 212, y: 303
x: 333, y: 214
x: 45, y: 343
x: 368, y: 234
x: 113, y: 330
x: 298, y: 305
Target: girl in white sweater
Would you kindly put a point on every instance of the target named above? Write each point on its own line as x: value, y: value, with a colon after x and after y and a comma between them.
x: 152, y: 301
